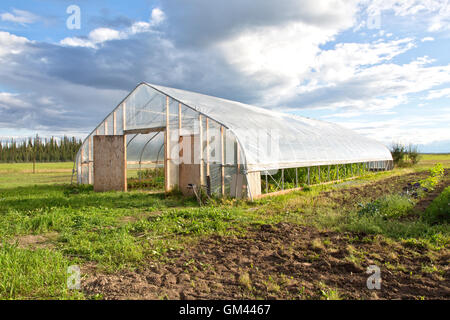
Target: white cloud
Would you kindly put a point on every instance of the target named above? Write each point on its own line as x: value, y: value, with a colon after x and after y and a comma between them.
x: 19, y: 16
x: 435, y: 94
x: 11, y: 44
x: 101, y: 35
x: 427, y: 39
x: 424, y: 129
x: 434, y: 13
x: 157, y: 16
x: 11, y: 100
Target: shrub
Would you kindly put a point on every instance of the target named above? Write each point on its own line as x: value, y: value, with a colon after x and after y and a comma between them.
x: 413, y: 154
x: 398, y: 153
x: 387, y: 206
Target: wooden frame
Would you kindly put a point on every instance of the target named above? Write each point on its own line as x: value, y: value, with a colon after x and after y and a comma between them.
x: 200, y: 119
x: 166, y: 149
x: 222, y: 161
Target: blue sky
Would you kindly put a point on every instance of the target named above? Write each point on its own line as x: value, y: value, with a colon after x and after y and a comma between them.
x: 381, y: 68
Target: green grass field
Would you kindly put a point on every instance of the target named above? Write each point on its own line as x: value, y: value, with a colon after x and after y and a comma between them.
x: 47, y: 225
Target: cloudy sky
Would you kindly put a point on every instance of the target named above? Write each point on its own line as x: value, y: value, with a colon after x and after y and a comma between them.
x: 381, y: 67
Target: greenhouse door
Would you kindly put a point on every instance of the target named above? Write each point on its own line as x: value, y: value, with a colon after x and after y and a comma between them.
x: 110, y: 163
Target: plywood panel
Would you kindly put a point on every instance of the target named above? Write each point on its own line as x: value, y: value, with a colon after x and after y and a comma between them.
x: 237, y: 181
x: 110, y: 163
x: 254, y: 184
x: 189, y: 170
x: 189, y: 174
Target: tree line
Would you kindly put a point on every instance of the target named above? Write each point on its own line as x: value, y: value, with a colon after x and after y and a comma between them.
x: 39, y: 149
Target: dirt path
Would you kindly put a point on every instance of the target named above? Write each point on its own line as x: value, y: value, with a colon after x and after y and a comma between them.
x: 286, y: 261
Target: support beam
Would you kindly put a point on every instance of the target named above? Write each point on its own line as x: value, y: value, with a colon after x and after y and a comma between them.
x: 222, y: 155
x: 81, y: 163
x: 267, y: 182
x: 309, y: 178
x: 124, y: 117
x: 90, y: 169
x: 144, y: 130
x: 180, y: 138
x: 200, y: 128
x: 114, y: 123
x: 208, y: 171
x: 166, y: 149
x: 296, y: 177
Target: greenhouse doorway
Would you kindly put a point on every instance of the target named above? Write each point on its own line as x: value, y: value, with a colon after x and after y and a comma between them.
x: 146, y: 159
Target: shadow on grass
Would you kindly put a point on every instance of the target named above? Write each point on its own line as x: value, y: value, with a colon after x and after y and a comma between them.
x: 51, y: 196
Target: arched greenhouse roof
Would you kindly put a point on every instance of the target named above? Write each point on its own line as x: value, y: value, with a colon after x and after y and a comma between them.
x: 274, y: 140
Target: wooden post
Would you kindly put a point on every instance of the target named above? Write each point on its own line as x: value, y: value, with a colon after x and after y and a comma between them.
x: 267, y: 182
x: 200, y: 129
x: 309, y: 176
x: 238, y: 156
x: 180, y: 139
x: 296, y: 178
x: 328, y: 173
x: 114, y: 123
x: 124, y: 116
x: 81, y: 160
x: 89, y: 161
x: 207, y: 148
x: 166, y: 149
x: 318, y: 168
x: 222, y: 154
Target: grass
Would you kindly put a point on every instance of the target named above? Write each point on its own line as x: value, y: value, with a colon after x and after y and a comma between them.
x: 115, y: 230
x: 28, y: 274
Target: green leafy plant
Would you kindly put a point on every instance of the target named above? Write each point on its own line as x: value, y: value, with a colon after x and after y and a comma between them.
x: 439, y: 210
x: 436, y: 174
x: 387, y: 206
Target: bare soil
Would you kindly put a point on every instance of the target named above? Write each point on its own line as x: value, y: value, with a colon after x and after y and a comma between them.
x: 286, y: 261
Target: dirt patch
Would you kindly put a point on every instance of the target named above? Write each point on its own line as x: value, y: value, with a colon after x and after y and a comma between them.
x: 282, y: 262
x: 371, y: 191
x: 39, y: 241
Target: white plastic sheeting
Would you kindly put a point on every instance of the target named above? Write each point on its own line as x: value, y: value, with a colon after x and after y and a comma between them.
x: 273, y: 140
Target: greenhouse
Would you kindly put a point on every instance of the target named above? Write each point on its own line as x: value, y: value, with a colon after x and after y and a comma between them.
x: 223, y: 148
